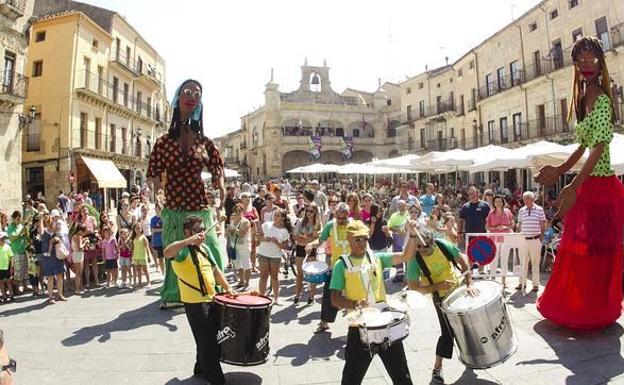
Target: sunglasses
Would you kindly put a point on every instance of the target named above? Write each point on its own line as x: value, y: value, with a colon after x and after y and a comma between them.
x: 593, y: 60
x: 12, y: 366
x: 360, y: 239
x: 311, y: 211
x: 191, y: 94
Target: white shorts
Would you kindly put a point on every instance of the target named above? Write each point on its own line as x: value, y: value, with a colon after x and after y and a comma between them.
x: 77, y: 256
x: 243, y: 259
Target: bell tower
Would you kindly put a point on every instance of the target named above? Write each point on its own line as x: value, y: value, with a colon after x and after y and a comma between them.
x: 315, y: 79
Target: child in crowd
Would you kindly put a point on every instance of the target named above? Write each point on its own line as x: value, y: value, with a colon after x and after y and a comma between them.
x: 78, y: 243
x: 157, y: 244
x: 33, y: 270
x: 6, y: 264
x: 109, y: 254
x: 125, y: 255
x: 140, y: 254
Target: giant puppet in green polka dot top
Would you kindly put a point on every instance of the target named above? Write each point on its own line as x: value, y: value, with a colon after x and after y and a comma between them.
x: 597, y: 127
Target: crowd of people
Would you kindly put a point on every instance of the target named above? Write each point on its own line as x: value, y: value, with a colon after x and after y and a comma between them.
x: 69, y: 246
x: 266, y: 226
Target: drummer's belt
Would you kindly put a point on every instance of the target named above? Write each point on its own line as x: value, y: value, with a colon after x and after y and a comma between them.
x: 532, y: 237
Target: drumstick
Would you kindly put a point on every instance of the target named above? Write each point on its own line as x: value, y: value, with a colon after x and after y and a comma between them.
x: 210, y: 228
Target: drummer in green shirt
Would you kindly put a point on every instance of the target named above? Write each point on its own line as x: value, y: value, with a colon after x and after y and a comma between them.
x: 439, y: 277
x: 357, y: 282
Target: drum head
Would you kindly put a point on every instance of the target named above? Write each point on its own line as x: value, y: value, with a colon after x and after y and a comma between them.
x: 384, y: 318
x: 458, y: 301
x: 244, y: 300
x: 315, y: 267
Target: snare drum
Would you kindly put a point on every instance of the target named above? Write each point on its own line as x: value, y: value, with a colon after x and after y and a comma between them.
x: 315, y: 272
x: 383, y: 328
x: 243, y: 329
x: 481, y: 325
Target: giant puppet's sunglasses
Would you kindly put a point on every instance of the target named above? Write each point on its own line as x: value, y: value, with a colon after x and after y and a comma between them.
x: 191, y: 94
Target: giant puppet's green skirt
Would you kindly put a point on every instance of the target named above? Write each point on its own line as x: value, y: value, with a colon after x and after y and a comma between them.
x: 172, y: 221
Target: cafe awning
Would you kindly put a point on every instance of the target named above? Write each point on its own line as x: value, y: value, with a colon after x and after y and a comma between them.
x: 105, y: 172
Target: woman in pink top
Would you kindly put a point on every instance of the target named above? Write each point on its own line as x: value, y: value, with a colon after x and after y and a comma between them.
x: 367, y: 202
x: 500, y: 220
x: 109, y: 254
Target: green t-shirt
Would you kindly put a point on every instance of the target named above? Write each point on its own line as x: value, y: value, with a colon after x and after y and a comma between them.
x: 6, y: 254
x: 397, y: 219
x: 338, y: 275
x: 597, y: 127
x: 18, y: 242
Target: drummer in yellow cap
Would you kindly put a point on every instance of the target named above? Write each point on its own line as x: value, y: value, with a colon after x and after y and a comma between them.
x: 434, y: 270
x: 357, y: 282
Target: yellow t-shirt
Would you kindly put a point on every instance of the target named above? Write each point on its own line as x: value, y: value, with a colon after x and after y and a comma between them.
x: 185, y: 270
x: 338, y: 240
x: 440, y: 267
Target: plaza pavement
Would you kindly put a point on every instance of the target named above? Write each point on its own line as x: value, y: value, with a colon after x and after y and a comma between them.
x: 115, y: 336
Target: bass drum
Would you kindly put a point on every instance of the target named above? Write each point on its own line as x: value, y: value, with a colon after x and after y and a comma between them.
x: 243, y: 333
x: 481, y: 325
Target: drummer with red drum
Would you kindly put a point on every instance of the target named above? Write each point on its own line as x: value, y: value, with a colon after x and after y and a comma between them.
x: 198, y: 277
x: 349, y: 290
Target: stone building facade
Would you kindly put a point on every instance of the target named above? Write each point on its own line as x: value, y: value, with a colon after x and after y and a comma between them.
x: 14, y: 17
x: 275, y: 137
x: 516, y: 85
x: 99, y: 91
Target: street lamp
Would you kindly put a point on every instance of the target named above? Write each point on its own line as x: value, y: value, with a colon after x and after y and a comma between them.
x: 25, y: 120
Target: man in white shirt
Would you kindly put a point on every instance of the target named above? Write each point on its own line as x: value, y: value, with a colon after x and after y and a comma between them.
x: 532, y: 222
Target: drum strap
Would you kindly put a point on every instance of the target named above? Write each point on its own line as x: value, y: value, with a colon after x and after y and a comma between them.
x: 446, y: 253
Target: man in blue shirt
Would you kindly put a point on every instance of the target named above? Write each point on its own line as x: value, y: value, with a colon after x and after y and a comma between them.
x: 427, y: 200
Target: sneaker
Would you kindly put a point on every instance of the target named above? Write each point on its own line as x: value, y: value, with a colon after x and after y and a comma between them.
x: 436, y: 376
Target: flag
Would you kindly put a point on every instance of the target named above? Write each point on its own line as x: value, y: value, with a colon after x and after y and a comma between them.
x: 346, y: 147
x: 314, y: 146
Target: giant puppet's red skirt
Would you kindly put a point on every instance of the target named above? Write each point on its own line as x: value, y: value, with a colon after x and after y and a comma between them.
x: 585, y: 288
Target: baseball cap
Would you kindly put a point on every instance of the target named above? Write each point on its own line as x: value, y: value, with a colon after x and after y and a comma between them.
x: 357, y: 229
x: 3, y: 235
x: 55, y: 213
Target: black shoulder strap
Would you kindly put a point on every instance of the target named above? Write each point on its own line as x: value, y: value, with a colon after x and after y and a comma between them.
x: 189, y: 285
x: 446, y: 253
x: 427, y: 274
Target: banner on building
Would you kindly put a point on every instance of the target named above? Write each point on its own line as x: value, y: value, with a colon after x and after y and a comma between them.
x: 346, y: 147
x: 314, y: 147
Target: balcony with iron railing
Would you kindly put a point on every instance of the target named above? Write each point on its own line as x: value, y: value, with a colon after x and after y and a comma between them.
x: 14, y: 87
x: 443, y: 144
x: 13, y: 9
x: 93, y: 86
x: 617, y: 35
x: 125, y: 62
x: 501, y: 84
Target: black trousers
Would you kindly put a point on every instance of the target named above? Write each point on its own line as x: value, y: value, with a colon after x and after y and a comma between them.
x: 328, y: 311
x: 444, y: 348
x: 203, y: 321
x: 358, y: 359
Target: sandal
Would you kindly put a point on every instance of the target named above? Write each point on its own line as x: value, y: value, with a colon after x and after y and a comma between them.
x: 320, y: 329
x: 310, y: 300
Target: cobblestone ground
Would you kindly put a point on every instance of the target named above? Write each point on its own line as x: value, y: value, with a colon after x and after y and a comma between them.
x: 118, y: 336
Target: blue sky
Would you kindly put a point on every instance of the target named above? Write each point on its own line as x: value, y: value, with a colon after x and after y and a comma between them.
x: 230, y: 46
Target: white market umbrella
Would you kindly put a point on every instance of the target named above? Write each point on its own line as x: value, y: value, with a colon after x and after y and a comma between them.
x: 533, y: 155
x: 228, y: 173
x: 461, y: 159
x: 399, y: 162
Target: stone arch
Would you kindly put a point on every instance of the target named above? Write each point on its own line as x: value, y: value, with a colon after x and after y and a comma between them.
x: 361, y: 156
x: 332, y: 157
x: 391, y: 131
x: 393, y: 154
x: 295, y: 158
x: 366, y: 130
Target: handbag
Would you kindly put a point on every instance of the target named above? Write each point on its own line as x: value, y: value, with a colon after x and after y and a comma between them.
x: 60, y: 251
